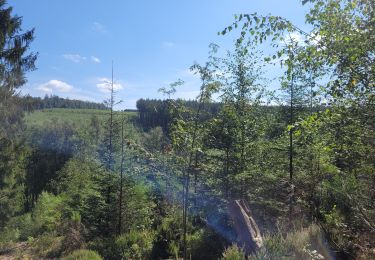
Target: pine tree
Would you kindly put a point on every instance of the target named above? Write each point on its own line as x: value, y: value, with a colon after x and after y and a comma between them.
x: 15, y: 61
x: 107, y: 152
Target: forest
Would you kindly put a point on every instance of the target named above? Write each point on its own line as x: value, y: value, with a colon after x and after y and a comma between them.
x: 30, y: 103
x: 85, y: 180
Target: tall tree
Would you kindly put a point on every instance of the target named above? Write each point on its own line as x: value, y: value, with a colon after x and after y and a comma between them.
x: 235, y: 130
x: 15, y: 61
x: 107, y: 152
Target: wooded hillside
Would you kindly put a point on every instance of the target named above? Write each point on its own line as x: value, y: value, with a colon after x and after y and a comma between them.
x: 244, y: 171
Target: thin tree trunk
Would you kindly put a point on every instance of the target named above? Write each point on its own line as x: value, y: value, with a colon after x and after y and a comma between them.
x: 110, y: 155
x: 121, y: 177
x: 291, y: 195
x: 187, y: 174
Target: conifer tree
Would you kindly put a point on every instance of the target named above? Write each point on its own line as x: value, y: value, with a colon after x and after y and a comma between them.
x: 15, y: 61
x: 107, y: 154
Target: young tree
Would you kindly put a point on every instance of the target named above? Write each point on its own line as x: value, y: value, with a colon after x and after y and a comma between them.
x: 340, y: 49
x: 186, y: 131
x: 236, y: 129
x: 107, y: 155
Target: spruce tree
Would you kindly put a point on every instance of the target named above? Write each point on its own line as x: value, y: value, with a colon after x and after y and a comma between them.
x: 15, y: 61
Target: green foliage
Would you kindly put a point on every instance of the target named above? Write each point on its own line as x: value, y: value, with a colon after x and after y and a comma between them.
x: 329, y: 149
x: 47, y: 213
x: 205, y: 243
x: 171, y: 89
x: 233, y: 253
x: 60, y: 190
x: 47, y: 246
x: 155, y: 140
x: 15, y: 61
x: 30, y: 103
x: 106, y: 247
x: 153, y: 113
x: 81, y: 118
x: 300, y: 243
x: 138, y: 208
x: 135, y: 244
x: 8, y: 236
x: 83, y: 254
x: 14, y: 50
x: 52, y: 147
x: 79, y: 186
x: 170, y: 231
x: 74, y: 233
x: 13, y: 160
x: 22, y: 226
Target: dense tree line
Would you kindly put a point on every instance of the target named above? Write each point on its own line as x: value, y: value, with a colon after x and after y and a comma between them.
x: 157, y: 112
x: 154, y: 113
x: 30, y: 103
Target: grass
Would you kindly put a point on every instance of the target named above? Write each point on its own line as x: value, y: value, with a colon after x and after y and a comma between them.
x: 300, y: 243
x: 83, y: 254
x: 74, y: 116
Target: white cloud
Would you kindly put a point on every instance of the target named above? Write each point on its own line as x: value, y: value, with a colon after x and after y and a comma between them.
x: 315, y: 38
x: 293, y: 37
x: 104, y: 85
x: 74, y: 57
x: 95, y: 59
x: 98, y: 27
x: 300, y: 39
x: 55, y: 85
x: 168, y: 45
x: 296, y: 37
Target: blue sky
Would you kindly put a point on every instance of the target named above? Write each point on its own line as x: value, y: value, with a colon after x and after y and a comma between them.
x: 152, y: 43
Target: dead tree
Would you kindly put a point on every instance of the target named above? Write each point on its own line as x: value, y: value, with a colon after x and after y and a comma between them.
x: 248, y: 234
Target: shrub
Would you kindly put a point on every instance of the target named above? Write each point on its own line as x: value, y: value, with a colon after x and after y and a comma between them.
x: 19, y: 228
x: 204, y: 244
x: 135, y: 245
x: 303, y: 243
x: 47, y: 245
x: 47, y: 213
x: 74, y: 233
x: 83, y: 254
x: 105, y: 246
x: 233, y: 253
x: 8, y: 236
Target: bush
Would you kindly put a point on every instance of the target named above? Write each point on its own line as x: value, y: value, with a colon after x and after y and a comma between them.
x: 47, y: 213
x: 74, y: 233
x: 22, y: 227
x: 47, y: 246
x: 303, y: 243
x: 83, y: 254
x: 135, y: 245
x: 106, y: 247
x: 7, y: 237
x: 204, y: 244
x: 233, y: 253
